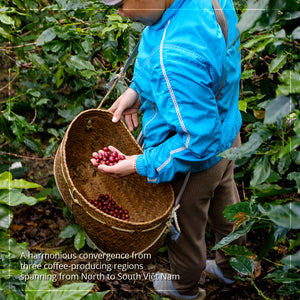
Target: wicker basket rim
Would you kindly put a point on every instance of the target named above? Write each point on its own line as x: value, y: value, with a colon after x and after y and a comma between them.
x: 167, y: 211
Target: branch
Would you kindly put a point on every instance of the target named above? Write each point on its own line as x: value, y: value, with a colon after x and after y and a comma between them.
x: 19, y: 46
x: 26, y: 157
x: 9, y: 83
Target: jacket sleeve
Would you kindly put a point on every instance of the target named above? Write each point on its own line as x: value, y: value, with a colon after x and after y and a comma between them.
x: 184, y: 88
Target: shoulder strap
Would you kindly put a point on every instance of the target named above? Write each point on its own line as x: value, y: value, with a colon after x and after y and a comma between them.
x: 221, y: 19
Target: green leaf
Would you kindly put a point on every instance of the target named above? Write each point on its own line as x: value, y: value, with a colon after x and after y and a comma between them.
x: 38, y: 289
x: 255, y: 9
x: 59, y: 76
x: 14, y: 295
x: 247, y: 149
x: 6, y: 19
x: 243, y: 106
x: 4, y: 33
x: 262, y: 190
x: 79, y: 240
x: 243, y: 265
x: 33, y: 145
x: 278, y: 109
x: 79, y: 63
x: 34, y: 93
x: 115, y: 17
x: 231, y: 210
x: 69, y: 231
x: 130, y: 41
x: 250, y: 147
x: 50, y: 20
x: 9, y: 272
x: 96, y: 296
x: 277, y: 63
x: 15, y: 197
x: 109, y: 49
x: 53, y: 131
x: 262, y: 171
x: 292, y: 260
x: 284, y: 164
x: 46, y: 36
x: 6, y: 216
x: 51, y: 148
x: 6, y: 182
x: 39, y: 63
x: 283, y: 277
x: 277, y: 233
x: 247, y: 74
x: 56, y: 46
x: 87, y: 44
x: 295, y: 176
x: 297, y: 123
x: 231, y: 153
x: 236, y: 250
x: 73, y: 291
x: 291, y: 146
x: 274, y: 177
x: 62, y: 3
x: 11, y: 246
x: 296, y: 33
x: 256, y: 39
x: 71, y: 112
x: 90, y: 243
x: 291, y: 83
x: 88, y: 74
x: 286, y: 215
x: 43, y: 194
x: 19, y: 123
x: 241, y: 231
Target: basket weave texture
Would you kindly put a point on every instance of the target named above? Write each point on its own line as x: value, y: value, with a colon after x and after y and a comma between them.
x: 149, y: 205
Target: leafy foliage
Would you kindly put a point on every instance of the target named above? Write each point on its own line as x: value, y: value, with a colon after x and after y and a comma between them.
x: 268, y: 160
x: 80, y: 238
x: 43, y: 289
x: 59, y: 55
x: 13, y: 278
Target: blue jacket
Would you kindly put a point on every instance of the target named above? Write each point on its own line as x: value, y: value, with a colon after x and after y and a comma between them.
x: 178, y: 72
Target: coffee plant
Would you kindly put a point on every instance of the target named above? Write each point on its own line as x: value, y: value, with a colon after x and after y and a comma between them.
x: 268, y: 160
x: 58, y: 56
x: 13, y: 254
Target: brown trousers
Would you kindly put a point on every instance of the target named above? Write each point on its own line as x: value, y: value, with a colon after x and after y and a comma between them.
x: 205, y: 197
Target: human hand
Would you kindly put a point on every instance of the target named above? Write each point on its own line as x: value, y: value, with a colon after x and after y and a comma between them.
x: 122, y: 168
x: 126, y: 107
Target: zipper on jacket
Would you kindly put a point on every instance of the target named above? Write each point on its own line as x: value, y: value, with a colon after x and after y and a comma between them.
x: 155, y: 110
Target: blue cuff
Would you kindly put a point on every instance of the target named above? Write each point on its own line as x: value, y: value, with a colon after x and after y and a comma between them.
x: 140, y: 165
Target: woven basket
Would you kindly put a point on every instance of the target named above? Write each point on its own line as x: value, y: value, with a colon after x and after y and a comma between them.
x: 149, y: 205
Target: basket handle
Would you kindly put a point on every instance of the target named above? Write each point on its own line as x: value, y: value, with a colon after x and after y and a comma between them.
x: 110, y: 86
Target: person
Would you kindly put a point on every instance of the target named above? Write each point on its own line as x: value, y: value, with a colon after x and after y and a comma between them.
x: 179, y: 70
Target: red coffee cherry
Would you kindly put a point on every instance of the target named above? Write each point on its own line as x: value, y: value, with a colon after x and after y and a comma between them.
x: 107, y: 205
x: 106, y: 157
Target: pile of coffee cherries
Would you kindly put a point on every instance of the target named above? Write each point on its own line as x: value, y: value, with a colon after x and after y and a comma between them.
x: 106, y: 204
x: 106, y: 157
